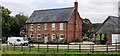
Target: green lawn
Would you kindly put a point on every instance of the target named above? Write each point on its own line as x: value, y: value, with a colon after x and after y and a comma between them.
x: 26, y: 50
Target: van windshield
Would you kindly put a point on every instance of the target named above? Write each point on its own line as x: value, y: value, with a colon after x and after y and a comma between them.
x: 18, y: 40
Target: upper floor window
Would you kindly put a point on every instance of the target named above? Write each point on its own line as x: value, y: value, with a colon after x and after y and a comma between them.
x: 53, y: 26
x: 38, y: 26
x: 45, y: 26
x: 61, y: 26
x: 31, y: 27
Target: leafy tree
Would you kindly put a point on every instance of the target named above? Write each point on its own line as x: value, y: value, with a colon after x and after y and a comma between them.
x: 19, y: 24
x: 98, y: 37
x: 11, y: 25
x: 103, y: 36
x: 87, y: 27
x: 0, y: 21
x: 7, y: 22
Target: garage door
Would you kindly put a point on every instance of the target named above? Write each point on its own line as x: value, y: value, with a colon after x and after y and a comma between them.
x: 115, y: 37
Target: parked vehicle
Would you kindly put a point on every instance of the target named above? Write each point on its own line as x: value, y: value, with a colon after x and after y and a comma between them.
x: 17, y: 41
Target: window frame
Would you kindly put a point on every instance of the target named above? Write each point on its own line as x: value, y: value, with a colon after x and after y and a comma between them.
x: 31, y: 26
x: 53, y: 37
x: 45, y: 26
x: 38, y: 26
x: 38, y: 38
x: 62, y: 39
x: 32, y: 36
x: 53, y: 26
x: 62, y: 35
x: 61, y: 26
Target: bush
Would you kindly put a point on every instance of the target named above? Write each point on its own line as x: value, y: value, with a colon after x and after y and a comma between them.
x: 4, y: 39
x: 85, y: 38
x: 51, y: 42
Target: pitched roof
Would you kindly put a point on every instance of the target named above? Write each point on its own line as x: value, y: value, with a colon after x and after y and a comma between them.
x: 51, y: 15
x: 110, y: 26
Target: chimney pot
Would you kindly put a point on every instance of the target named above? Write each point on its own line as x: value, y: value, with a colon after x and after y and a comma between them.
x: 75, y: 0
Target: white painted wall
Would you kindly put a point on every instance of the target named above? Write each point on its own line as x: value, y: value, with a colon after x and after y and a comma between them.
x: 115, y: 37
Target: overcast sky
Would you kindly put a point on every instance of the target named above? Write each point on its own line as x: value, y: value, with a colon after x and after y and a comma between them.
x: 95, y: 10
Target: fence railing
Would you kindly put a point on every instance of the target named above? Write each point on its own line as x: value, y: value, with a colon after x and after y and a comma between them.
x: 69, y: 47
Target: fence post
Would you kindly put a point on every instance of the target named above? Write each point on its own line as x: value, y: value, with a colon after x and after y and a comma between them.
x: 79, y: 47
x: 29, y: 47
x: 68, y: 47
x: 107, y: 47
x: 47, y: 47
x: 7, y: 45
x: 54, y: 52
x: 21, y: 47
x: 14, y: 46
x: 57, y: 47
x: 116, y: 45
x: 24, y: 46
x: 92, y: 48
x: 38, y: 46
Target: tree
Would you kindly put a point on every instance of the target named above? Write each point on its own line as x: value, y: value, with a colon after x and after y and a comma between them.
x: 87, y: 27
x: 98, y: 37
x: 7, y: 22
x: 11, y: 25
x: 19, y: 24
x: 0, y: 21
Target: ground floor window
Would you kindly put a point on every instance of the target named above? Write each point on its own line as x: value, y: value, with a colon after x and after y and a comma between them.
x: 53, y: 38
x: 38, y: 37
x: 61, y: 37
x: 45, y: 38
x: 32, y: 37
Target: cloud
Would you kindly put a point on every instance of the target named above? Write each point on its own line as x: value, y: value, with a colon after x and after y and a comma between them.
x: 95, y: 10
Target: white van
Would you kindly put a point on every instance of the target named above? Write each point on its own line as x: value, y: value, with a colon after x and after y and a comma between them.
x: 17, y: 41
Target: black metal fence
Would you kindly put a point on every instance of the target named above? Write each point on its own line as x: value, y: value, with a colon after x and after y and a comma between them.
x: 69, y: 47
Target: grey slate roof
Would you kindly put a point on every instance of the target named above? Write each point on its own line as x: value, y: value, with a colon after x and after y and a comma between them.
x: 110, y: 26
x: 51, y: 15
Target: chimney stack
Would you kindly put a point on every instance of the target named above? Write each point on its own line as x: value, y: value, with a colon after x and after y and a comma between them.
x: 76, y: 10
x: 76, y: 5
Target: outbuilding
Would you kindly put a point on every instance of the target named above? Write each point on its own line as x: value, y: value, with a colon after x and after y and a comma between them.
x: 111, y: 29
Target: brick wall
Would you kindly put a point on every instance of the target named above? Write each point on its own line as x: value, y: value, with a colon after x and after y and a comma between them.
x: 43, y: 32
x: 71, y: 28
x: 68, y: 30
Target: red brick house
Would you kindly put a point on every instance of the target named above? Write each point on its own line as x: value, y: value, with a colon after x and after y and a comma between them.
x: 57, y: 25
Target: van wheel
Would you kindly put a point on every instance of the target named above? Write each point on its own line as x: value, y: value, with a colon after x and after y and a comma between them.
x: 26, y: 44
x: 12, y: 44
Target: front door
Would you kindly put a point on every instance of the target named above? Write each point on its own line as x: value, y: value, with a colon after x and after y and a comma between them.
x: 45, y: 38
